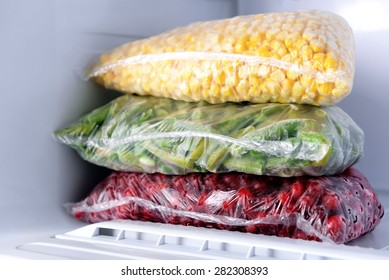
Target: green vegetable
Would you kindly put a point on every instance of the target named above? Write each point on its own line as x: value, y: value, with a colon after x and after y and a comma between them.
x: 149, y: 134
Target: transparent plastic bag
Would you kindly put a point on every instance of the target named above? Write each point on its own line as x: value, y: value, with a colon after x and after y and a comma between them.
x: 304, y: 57
x: 336, y: 209
x: 149, y: 134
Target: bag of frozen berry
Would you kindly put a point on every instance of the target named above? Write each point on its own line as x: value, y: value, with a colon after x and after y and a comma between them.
x: 336, y: 208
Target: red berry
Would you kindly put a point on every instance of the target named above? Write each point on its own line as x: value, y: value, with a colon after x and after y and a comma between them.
x: 129, y: 192
x: 314, y: 189
x: 178, y: 183
x: 211, y: 182
x: 290, y: 207
x: 79, y: 215
x: 186, y: 221
x: 173, y: 219
x: 297, y: 190
x: 283, y: 197
x: 336, y: 227
x: 229, y: 205
x: 251, y: 228
x: 245, y: 193
x: 299, y: 234
x: 198, y: 223
x: 261, y: 214
x: 331, y: 201
x: 306, y: 201
x: 202, y: 199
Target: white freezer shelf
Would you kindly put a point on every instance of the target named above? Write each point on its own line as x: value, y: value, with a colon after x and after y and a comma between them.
x: 145, y: 240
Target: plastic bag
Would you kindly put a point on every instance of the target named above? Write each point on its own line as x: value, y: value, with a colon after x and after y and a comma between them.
x: 338, y: 208
x: 149, y: 134
x: 304, y: 57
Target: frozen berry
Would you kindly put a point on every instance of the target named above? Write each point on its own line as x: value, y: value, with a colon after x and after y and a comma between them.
x: 283, y: 197
x: 297, y: 190
x: 336, y: 227
x: 331, y: 201
x: 251, y: 228
x: 245, y: 193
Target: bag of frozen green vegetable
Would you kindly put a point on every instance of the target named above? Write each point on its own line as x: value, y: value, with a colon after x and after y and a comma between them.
x: 149, y: 134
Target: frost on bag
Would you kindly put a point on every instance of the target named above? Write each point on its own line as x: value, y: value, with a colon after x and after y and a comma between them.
x: 304, y: 57
x: 149, y: 134
x: 339, y: 208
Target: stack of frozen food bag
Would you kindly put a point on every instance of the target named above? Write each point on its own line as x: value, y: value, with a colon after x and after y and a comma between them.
x: 231, y: 124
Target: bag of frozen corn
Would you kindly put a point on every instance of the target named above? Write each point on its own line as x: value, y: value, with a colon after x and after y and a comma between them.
x: 150, y: 134
x: 304, y: 57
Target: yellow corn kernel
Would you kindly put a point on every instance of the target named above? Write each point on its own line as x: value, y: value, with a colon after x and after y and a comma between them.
x: 342, y: 85
x: 106, y: 79
x: 286, y: 85
x: 276, y: 44
x: 291, y: 40
x: 312, y: 95
x: 104, y: 58
x: 294, y: 54
x: 243, y: 87
x: 287, y: 58
x: 281, y: 100
x: 306, y: 53
x: 263, y: 70
x: 270, y: 34
x: 337, y: 92
x: 215, y: 89
x: 318, y: 61
x: 309, y: 35
x: 240, y: 47
x: 282, y: 35
x: 264, y: 51
x: 325, y: 88
x: 255, y: 39
x: 307, y: 100
x: 298, y: 90
x: 227, y: 92
x: 277, y: 76
x: 276, y: 56
x: 187, y: 75
x: 206, y: 81
x: 253, y: 80
x: 292, y: 75
x: 306, y: 80
x: 301, y: 43
x: 317, y: 46
x: 272, y: 87
x: 330, y: 62
x: 193, y: 85
x: 325, y: 100
x: 254, y: 91
x: 232, y: 79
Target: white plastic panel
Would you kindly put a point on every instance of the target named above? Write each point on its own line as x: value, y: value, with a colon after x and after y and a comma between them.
x: 142, y: 240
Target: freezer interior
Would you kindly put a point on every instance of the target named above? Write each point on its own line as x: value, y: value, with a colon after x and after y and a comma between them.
x: 45, y: 48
